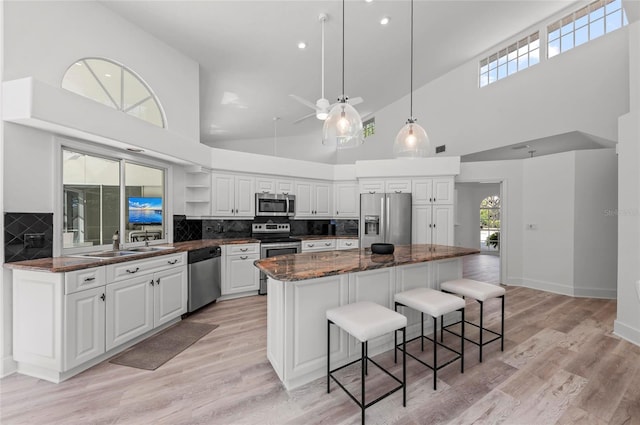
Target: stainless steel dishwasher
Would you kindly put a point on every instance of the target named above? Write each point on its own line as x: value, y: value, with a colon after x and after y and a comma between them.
x: 204, y: 276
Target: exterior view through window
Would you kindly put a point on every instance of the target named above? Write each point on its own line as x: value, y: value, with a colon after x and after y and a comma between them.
x: 513, y: 58
x: 490, y: 224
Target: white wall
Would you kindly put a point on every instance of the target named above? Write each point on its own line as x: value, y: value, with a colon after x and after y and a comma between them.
x: 549, y: 184
x: 469, y: 197
x: 627, y: 323
x: 596, y: 224
x: 47, y: 37
x: 584, y: 89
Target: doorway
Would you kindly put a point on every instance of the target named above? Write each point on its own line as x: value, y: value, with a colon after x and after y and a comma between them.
x: 490, y: 225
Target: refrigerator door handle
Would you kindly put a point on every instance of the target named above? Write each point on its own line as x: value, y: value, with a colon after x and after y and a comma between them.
x: 387, y: 236
x: 383, y: 221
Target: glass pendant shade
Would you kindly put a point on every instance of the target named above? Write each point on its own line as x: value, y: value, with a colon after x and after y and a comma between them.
x: 343, y: 127
x: 411, y: 142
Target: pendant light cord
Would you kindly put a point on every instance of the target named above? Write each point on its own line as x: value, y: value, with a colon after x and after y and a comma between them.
x: 411, y: 83
x: 343, y: 95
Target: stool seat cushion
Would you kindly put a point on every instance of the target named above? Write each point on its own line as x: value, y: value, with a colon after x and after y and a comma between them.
x: 366, y: 320
x: 429, y: 301
x: 480, y: 291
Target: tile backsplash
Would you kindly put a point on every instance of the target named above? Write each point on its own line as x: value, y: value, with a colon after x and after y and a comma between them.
x: 27, y: 236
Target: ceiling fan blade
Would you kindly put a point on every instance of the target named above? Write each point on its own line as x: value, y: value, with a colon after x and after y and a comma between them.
x: 305, y: 102
x: 355, y: 101
x: 313, y: 114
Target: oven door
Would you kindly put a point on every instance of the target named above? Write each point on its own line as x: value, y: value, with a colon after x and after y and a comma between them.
x: 271, y: 250
x: 272, y: 205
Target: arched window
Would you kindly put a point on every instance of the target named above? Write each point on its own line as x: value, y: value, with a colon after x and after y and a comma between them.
x: 490, y: 224
x: 116, y: 86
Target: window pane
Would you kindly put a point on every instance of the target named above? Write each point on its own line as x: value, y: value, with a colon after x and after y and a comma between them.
x: 554, y: 48
x: 567, y: 42
x: 567, y: 28
x: 534, y: 44
x: 484, y: 79
x: 596, y: 14
x: 596, y: 29
x: 523, y: 62
x: 614, y: 5
x: 502, y: 71
x: 148, y: 111
x: 145, y: 206
x: 614, y: 21
x: 512, y: 67
x: 582, y: 35
x: 493, y: 75
x: 554, y: 34
x: 581, y: 22
x: 80, y: 80
x: 109, y: 75
x: 534, y: 57
x: 91, y: 199
x: 134, y: 91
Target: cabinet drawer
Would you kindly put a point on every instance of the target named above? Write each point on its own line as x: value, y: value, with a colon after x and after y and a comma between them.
x: 398, y: 186
x: 348, y: 243
x: 250, y: 248
x: 84, y: 279
x: 319, y: 245
x: 120, y: 271
x: 371, y: 186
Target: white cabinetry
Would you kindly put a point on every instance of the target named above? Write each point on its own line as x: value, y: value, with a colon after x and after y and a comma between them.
x: 318, y: 245
x: 233, y: 195
x: 347, y: 200
x: 432, y: 224
x: 347, y: 243
x: 239, y: 274
x: 399, y: 185
x: 274, y: 185
x: 313, y: 199
x: 197, y: 193
x: 432, y: 191
x: 66, y: 322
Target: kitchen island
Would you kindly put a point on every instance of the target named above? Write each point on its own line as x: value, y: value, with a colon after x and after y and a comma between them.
x: 302, y: 287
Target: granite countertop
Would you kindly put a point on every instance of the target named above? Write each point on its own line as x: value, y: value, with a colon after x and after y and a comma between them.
x: 321, y: 237
x: 68, y: 264
x: 311, y: 265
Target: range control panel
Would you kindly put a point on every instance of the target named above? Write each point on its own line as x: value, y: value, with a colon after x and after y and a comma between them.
x: 270, y: 228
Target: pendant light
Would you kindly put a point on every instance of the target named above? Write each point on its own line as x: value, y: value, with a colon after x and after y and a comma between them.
x: 412, y: 141
x: 343, y: 126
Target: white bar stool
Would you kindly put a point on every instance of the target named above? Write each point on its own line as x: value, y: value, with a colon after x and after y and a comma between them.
x: 433, y: 303
x: 366, y: 320
x: 479, y: 291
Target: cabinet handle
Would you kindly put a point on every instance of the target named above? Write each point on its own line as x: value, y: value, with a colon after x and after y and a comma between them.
x: 151, y: 282
x: 133, y: 271
x: 337, y: 212
x: 265, y: 191
x: 172, y: 261
x: 372, y: 192
x: 398, y: 191
x: 244, y: 257
x: 327, y: 244
x: 89, y: 279
x: 311, y: 245
x: 103, y: 297
x: 158, y: 281
x: 244, y: 249
x: 348, y: 244
x: 285, y: 193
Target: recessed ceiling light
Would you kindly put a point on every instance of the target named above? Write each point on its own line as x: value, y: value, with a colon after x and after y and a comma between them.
x: 302, y: 45
x: 368, y: 1
x: 385, y: 20
x: 107, y: 75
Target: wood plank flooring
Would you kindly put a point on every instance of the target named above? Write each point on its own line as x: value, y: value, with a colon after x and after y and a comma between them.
x: 561, y: 365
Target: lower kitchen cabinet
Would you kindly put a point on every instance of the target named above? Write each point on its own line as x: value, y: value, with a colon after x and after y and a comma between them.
x: 239, y: 274
x: 170, y: 295
x: 129, y: 309
x: 84, y: 326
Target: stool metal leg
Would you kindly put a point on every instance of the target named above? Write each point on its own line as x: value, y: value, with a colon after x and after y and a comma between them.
x: 502, y: 327
x: 422, y: 330
x: 481, y: 327
x: 435, y: 351
x: 328, y: 356
x: 442, y: 328
x: 363, y: 366
x: 404, y: 367
x: 462, y: 342
x: 366, y: 354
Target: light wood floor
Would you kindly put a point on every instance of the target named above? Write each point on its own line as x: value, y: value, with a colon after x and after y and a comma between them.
x: 561, y: 365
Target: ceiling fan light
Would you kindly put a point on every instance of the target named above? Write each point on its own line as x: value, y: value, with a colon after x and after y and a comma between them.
x: 343, y: 127
x: 411, y: 142
x: 322, y: 115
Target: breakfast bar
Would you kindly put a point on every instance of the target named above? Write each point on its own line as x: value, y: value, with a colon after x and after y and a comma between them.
x: 301, y: 287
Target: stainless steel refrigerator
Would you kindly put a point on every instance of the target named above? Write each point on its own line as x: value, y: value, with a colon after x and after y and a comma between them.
x: 386, y: 218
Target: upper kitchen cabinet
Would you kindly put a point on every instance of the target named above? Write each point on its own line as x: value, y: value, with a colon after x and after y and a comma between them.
x: 313, y: 199
x: 433, y: 191
x: 347, y: 200
x: 385, y: 185
x: 233, y: 195
x: 274, y: 185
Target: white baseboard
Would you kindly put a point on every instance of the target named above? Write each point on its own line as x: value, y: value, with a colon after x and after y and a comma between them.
x: 556, y: 288
x: 608, y: 294
x: 626, y: 332
x: 8, y: 366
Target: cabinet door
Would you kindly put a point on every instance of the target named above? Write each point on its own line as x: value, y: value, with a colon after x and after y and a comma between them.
x: 223, y: 187
x: 304, y: 199
x: 443, y: 190
x: 421, y: 193
x: 129, y: 306
x: 84, y: 326
x: 371, y: 186
x: 170, y: 295
x: 421, y: 224
x: 347, y: 200
x: 285, y: 187
x: 242, y: 275
x: 265, y: 185
x: 323, y: 200
x: 397, y: 186
x: 245, y: 199
x: 442, y: 219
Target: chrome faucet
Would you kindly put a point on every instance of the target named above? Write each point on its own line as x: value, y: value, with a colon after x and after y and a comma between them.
x: 116, y: 241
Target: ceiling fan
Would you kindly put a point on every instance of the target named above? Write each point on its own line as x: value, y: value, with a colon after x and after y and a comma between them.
x: 322, y: 106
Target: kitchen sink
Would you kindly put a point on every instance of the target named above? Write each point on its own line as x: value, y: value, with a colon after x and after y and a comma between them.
x: 150, y: 248
x: 105, y: 254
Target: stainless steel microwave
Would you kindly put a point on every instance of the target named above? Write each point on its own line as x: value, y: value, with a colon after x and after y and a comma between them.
x: 275, y: 205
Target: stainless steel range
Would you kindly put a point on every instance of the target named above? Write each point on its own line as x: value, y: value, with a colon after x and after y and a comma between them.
x: 274, y: 240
